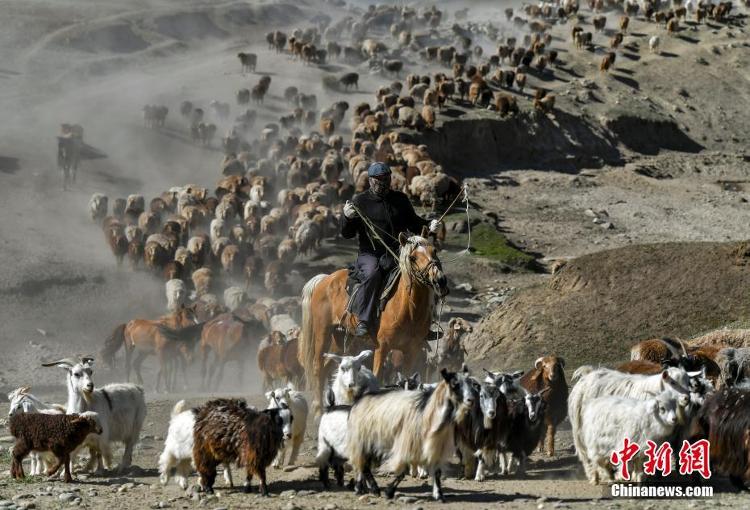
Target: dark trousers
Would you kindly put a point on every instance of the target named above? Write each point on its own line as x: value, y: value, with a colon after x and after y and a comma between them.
x: 367, y: 298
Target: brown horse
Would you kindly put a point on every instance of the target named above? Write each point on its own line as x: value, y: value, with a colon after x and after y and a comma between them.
x: 165, y: 337
x: 404, y: 322
x: 230, y: 336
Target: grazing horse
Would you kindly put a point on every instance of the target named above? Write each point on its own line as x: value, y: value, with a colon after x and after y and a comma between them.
x: 403, y: 325
x: 230, y: 337
x: 171, y: 338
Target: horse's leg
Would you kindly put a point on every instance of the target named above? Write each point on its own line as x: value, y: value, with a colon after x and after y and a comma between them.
x: 220, y: 375
x: 204, y: 362
x: 137, y: 365
x: 378, y: 359
x: 128, y: 359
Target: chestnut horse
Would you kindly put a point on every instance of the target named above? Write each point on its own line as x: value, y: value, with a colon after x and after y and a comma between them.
x: 160, y: 337
x: 403, y: 325
x: 230, y: 336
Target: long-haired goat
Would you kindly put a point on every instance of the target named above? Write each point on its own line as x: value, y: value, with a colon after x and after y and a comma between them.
x: 332, y: 439
x: 408, y: 428
x: 297, y: 404
x: 121, y: 408
x: 526, y: 430
x: 227, y: 430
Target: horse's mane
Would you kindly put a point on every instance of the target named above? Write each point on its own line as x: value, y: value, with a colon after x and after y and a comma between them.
x: 404, y: 263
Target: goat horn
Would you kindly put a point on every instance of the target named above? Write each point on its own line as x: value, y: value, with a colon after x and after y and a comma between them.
x: 61, y: 362
x: 684, y: 351
x: 538, y: 360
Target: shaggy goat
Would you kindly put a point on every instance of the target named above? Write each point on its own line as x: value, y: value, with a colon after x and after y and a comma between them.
x: 351, y: 377
x: 407, y: 428
x: 227, y: 430
x: 526, y: 430
x: 121, y: 408
x: 21, y: 401
x: 297, y: 404
x: 177, y: 455
x: 607, y: 420
x: 59, y: 433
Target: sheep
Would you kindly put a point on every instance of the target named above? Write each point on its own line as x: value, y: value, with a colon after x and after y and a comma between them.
x: 656, y: 350
x: 98, y: 206
x: 21, y: 401
x: 234, y: 297
x: 176, y: 294
x: 297, y: 404
x: 202, y: 281
x: 177, y: 455
x: 606, y: 420
x: 593, y: 383
x: 59, y: 433
x: 654, y: 43
x: 724, y: 421
x: 607, y: 61
x: 407, y: 428
x: 350, y: 80
x: 227, y: 430
x: 549, y: 372
x: 121, y: 408
x: 332, y: 440
x: 351, y: 377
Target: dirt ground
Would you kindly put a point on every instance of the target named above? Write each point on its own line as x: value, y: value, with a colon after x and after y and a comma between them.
x: 98, y: 63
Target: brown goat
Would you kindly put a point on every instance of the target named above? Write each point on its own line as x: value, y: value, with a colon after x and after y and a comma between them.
x: 227, y: 430
x: 59, y: 433
x: 549, y: 373
x: 607, y: 62
x: 656, y: 350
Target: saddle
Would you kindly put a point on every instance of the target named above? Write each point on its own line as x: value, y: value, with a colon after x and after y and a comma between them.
x: 353, y: 285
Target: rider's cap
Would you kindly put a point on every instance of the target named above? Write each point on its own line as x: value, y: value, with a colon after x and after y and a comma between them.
x: 378, y: 170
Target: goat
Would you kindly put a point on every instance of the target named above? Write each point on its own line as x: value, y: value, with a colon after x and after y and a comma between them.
x: 593, y: 383
x: 98, y: 206
x: 351, y: 377
x: 121, y: 408
x: 21, y: 401
x: 407, y: 428
x: 549, y: 373
x: 508, y: 383
x: 606, y: 420
x: 177, y: 455
x: 526, y: 430
x: 724, y: 421
x: 227, y: 430
x: 59, y: 433
x: 332, y: 440
x: 734, y: 365
x: 297, y: 404
x: 176, y: 294
x: 656, y: 350
x: 653, y: 44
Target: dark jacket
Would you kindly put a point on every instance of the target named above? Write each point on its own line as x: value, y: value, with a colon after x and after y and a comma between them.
x: 390, y: 215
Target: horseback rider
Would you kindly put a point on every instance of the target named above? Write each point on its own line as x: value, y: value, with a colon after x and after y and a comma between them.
x: 390, y: 212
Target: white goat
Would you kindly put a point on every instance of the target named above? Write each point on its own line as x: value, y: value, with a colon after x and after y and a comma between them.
x: 608, y: 420
x: 605, y: 382
x: 351, y: 378
x: 177, y: 293
x: 178, y: 448
x: 332, y: 437
x: 121, y: 408
x: 21, y: 401
x: 654, y: 43
x: 216, y: 229
x: 297, y: 404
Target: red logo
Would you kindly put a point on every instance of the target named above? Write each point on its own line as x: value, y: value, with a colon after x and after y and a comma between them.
x: 623, y: 456
x: 695, y: 458
x: 658, y: 459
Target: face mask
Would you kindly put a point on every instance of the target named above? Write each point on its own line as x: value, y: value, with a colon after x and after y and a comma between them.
x: 380, y: 186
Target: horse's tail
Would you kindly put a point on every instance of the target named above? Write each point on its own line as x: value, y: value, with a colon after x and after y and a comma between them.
x: 306, y: 347
x: 112, y: 344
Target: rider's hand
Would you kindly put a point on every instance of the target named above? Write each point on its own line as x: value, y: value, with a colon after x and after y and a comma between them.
x: 349, y: 210
x: 434, y: 226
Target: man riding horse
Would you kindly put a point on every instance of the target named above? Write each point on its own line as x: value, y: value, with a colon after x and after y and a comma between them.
x: 388, y: 213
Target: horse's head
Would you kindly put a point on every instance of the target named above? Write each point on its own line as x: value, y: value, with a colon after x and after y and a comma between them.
x: 418, y: 259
